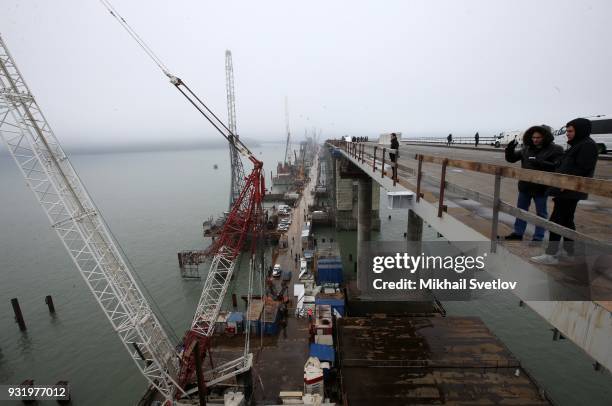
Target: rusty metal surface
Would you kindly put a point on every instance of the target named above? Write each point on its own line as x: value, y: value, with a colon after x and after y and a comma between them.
x: 279, y: 364
x: 429, y: 360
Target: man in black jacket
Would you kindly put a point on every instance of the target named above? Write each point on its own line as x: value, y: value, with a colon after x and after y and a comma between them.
x: 539, y: 153
x: 578, y: 160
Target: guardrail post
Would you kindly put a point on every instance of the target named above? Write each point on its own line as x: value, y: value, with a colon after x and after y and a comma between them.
x: 374, y: 161
x: 495, y: 219
x: 382, y: 168
x: 441, y: 205
x: 419, y: 177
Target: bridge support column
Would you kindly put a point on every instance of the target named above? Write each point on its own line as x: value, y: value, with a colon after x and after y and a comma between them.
x: 364, y: 210
x: 415, y: 226
x: 364, y: 220
x: 414, y: 235
x: 346, y: 196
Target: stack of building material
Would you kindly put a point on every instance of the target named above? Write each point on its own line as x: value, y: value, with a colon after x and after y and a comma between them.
x: 323, y: 322
x: 221, y: 323
x: 271, y: 318
x: 335, y: 300
x: 313, y: 377
x: 254, y: 315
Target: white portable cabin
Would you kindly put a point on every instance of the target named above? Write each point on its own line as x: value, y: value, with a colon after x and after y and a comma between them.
x: 399, y: 199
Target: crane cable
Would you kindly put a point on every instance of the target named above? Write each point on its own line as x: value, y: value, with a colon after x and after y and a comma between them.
x: 179, y: 84
x: 111, y: 9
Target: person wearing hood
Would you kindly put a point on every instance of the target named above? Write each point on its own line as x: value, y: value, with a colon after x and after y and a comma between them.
x: 538, y: 153
x: 579, y: 159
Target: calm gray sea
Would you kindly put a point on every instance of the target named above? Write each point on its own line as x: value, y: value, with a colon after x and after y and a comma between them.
x: 155, y: 203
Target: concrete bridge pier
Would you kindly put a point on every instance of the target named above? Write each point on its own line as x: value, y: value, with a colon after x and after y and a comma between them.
x: 415, y: 227
x: 364, y: 211
x: 347, y: 177
x: 364, y: 220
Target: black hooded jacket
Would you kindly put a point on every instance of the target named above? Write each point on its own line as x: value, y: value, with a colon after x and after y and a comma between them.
x: 540, y: 158
x: 579, y: 159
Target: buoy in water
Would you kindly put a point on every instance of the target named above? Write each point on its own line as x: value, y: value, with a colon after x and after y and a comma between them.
x: 215, y: 166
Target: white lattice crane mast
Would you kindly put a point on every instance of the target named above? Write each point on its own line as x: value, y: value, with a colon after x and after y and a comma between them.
x: 237, y: 169
x: 80, y: 227
x: 288, y: 143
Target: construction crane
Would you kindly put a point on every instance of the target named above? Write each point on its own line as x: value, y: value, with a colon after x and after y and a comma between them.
x: 288, y: 143
x: 82, y: 230
x: 244, y: 220
x: 237, y: 181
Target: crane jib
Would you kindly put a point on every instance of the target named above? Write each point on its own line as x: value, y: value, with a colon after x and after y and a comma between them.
x: 213, y: 119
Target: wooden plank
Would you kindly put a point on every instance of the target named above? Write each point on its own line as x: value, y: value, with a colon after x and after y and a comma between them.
x: 522, y: 214
x: 600, y: 187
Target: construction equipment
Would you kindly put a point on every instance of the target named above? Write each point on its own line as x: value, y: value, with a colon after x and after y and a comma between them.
x: 81, y: 228
x: 244, y: 220
x: 288, y: 143
x: 237, y: 169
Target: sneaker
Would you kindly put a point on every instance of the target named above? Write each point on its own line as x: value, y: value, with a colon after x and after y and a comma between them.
x: 513, y: 237
x: 545, y: 259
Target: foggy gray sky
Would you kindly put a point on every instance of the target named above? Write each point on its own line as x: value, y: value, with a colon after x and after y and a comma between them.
x: 348, y: 67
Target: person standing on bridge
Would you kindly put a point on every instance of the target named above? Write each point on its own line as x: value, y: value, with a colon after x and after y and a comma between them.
x: 449, y: 139
x: 539, y: 153
x: 579, y: 159
x: 476, y: 139
x: 393, y: 156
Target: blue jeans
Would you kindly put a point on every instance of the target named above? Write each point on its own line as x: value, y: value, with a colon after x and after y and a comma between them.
x: 524, y: 201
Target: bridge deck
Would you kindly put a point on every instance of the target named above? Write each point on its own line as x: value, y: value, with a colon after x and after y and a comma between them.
x: 588, y: 324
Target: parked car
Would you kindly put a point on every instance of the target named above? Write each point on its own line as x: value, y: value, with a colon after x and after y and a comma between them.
x: 276, y: 272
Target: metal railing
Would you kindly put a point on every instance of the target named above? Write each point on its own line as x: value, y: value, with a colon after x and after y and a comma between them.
x: 483, y: 140
x: 373, y: 156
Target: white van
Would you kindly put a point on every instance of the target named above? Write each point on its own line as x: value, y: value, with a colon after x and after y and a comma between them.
x: 601, y: 132
x: 503, y: 138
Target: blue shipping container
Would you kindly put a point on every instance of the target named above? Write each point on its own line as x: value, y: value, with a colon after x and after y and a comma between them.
x: 271, y: 317
x: 255, y: 325
x: 271, y: 328
x: 322, y: 352
x: 329, y: 274
x: 334, y: 260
